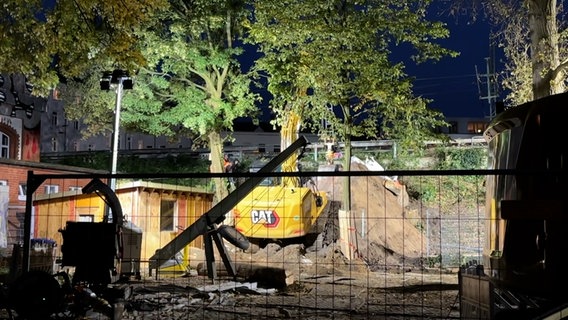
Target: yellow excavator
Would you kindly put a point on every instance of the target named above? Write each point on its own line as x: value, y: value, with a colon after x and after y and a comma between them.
x: 284, y: 209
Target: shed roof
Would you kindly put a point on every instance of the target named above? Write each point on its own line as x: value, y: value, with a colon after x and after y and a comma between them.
x: 124, y: 186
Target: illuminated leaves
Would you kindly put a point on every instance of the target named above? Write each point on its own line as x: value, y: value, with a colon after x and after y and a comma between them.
x: 336, y: 57
x: 45, y: 40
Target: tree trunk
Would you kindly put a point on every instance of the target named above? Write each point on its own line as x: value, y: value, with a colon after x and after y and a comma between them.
x: 216, y: 147
x: 347, y: 166
x: 544, y: 47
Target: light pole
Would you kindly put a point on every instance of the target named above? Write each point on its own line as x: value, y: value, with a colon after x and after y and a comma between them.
x: 121, y: 81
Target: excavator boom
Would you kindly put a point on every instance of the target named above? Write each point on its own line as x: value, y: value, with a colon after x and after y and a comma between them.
x: 217, y: 214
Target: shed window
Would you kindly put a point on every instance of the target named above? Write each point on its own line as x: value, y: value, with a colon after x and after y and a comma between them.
x: 167, y: 215
x: 86, y: 218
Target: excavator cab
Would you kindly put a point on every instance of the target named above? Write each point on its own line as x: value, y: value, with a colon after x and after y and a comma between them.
x: 281, y: 208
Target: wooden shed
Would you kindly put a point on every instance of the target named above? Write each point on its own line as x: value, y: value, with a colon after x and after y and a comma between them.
x: 161, y: 211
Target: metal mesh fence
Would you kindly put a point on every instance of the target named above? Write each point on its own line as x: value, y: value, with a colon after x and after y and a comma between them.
x: 393, y: 254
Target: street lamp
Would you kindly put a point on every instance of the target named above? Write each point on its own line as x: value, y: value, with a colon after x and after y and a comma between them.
x: 121, y: 81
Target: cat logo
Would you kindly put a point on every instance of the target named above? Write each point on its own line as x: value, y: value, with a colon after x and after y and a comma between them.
x: 269, y: 218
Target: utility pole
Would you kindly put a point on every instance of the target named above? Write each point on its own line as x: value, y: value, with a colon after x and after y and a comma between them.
x: 489, y: 80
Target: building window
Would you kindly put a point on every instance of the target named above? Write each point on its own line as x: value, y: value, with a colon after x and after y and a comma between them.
x: 75, y: 188
x: 167, y: 215
x: 75, y: 146
x: 476, y: 127
x: 129, y: 143
x: 22, y: 191
x: 5, y: 147
x: 3, y: 182
x: 54, y: 119
x: 91, y: 147
x: 51, y: 188
x: 76, y: 125
x: 53, y: 144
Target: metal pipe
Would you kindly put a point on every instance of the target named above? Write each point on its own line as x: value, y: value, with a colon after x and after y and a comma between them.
x: 116, y: 133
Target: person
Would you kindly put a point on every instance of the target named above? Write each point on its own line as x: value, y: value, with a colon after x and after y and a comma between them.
x: 230, y: 166
x: 235, y: 165
x: 329, y: 156
x: 227, y: 165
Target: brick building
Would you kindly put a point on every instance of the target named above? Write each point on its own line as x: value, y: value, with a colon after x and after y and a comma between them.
x: 13, y: 179
x: 20, y: 148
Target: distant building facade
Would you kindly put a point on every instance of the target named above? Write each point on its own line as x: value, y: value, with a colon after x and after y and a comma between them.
x: 20, y: 136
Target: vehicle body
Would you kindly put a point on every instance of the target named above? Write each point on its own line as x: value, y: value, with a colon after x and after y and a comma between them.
x: 522, y: 274
x: 285, y: 207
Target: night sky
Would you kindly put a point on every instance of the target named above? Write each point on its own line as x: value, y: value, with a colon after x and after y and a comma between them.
x: 452, y: 82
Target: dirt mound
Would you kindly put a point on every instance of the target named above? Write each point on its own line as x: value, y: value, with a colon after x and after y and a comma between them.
x: 384, y: 237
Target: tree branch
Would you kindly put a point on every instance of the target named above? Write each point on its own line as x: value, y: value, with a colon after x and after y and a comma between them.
x: 561, y: 67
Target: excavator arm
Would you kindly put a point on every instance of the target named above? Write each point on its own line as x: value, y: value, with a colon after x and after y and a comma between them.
x: 288, y: 134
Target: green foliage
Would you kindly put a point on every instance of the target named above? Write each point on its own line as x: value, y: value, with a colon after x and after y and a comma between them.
x: 191, y: 83
x: 193, y: 80
x: 340, y: 55
x: 134, y: 164
x: 450, y: 158
x: 46, y: 40
x: 98, y: 160
x: 444, y: 192
x: 449, y: 192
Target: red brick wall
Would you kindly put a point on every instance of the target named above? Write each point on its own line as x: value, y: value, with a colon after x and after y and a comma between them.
x: 16, y: 172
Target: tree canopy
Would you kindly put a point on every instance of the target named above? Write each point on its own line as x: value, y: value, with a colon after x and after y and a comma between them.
x: 339, y: 54
x: 333, y: 63
x: 47, y: 40
x: 192, y: 83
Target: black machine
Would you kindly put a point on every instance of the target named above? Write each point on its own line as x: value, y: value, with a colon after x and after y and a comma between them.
x: 522, y: 275
x: 95, y: 250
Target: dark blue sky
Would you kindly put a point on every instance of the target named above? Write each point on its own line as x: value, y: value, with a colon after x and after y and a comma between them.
x: 452, y: 82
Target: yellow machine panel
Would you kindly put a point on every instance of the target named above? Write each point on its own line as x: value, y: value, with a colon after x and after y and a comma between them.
x: 278, y: 212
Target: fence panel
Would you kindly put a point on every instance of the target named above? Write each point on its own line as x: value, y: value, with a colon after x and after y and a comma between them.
x: 394, y: 253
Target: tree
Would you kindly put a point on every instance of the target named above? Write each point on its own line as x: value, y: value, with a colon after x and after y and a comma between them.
x: 192, y: 81
x: 333, y: 61
x: 533, y: 36
x: 46, y: 40
x: 196, y: 82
